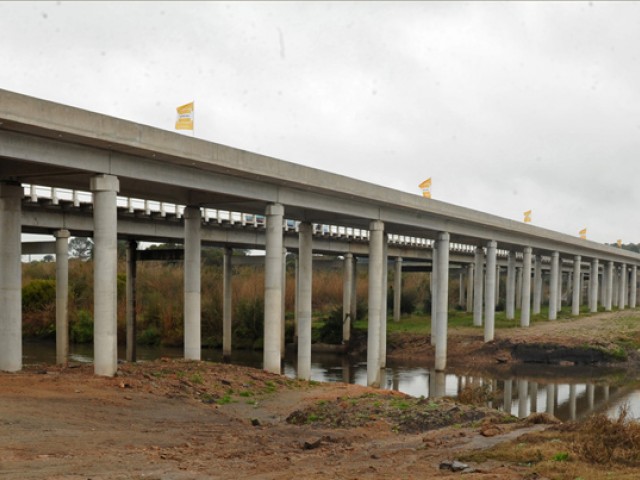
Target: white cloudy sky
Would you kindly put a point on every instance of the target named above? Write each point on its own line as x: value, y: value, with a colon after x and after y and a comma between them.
x: 508, y: 106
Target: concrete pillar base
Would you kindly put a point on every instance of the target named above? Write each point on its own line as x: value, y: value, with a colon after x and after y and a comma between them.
x: 376, y: 269
x: 105, y: 266
x: 227, y: 277
x: 62, y: 296
x: 192, y: 283
x: 442, y: 302
x: 489, y: 298
x: 273, y: 289
x: 10, y: 277
x: 305, y: 278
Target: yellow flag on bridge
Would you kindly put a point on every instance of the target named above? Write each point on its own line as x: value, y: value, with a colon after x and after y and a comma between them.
x: 426, y: 188
x: 185, y: 117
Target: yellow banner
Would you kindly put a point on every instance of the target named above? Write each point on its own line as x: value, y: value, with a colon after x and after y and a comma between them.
x: 185, y: 117
x: 527, y: 216
x: 426, y: 183
x: 426, y: 188
x: 583, y: 233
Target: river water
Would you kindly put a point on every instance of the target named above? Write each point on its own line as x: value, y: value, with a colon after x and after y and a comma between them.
x: 567, y: 392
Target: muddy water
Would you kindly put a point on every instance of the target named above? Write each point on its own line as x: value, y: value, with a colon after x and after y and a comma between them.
x: 566, y: 392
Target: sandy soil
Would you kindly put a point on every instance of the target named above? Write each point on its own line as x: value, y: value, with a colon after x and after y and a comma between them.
x: 191, y: 420
x: 177, y: 420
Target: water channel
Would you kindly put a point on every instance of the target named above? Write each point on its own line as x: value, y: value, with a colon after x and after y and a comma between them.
x: 568, y: 392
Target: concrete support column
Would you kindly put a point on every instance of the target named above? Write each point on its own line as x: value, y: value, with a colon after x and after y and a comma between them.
x: 227, y: 328
x: 615, y: 296
x: 525, y: 309
x: 470, y: 282
x: 354, y: 291
x: 132, y: 250
x: 633, y: 290
x: 283, y: 302
x: 478, y: 294
x: 434, y: 291
x: 608, y: 286
x: 273, y: 287
x: 384, y: 302
x: 192, y: 283
x: 622, y: 299
x: 577, y: 275
x: 537, y: 284
x: 442, y: 301
x: 347, y: 286
x: 62, y: 296
x: 510, y: 305
x: 553, y: 286
x: 305, y: 238
x: 559, y: 296
x: 376, y: 270
x: 10, y: 277
x: 518, y: 287
x: 497, y: 284
x: 489, y: 298
x: 593, y: 298
x: 105, y: 274
x: 397, y: 289
x: 296, y: 302
x: 462, y: 284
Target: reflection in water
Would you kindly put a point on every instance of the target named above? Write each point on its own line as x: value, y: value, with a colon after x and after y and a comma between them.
x: 520, y: 394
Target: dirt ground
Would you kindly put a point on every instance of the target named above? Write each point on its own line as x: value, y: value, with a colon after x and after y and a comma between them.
x: 173, y: 419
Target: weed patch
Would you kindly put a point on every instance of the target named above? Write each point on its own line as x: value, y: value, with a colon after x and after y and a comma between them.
x: 604, y: 440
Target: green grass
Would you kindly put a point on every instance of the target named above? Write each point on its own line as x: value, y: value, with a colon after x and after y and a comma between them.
x: 421, y: 323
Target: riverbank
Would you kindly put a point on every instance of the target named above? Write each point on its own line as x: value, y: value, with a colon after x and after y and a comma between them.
x: 172, y: 419
x: 600, y: 339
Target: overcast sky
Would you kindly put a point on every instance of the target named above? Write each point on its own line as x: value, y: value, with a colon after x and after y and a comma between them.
x: 508, y: 106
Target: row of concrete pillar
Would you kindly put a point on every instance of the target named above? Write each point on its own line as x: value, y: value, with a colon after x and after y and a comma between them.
x: 617, y: 289
x: 481, y: 289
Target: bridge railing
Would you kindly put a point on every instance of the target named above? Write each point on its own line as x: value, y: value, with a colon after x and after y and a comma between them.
x: 152, y: 208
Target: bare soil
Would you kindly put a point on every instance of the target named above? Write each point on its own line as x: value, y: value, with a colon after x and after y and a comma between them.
x: 173, y: 419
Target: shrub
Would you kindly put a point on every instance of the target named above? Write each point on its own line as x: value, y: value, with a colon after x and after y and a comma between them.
x: 408, y: 301
x: 605, y: 440
x: 149, y: 336
x: 38, y: 295
x: 249, y: 319
x: 82, y: 328
x: 331, y: 330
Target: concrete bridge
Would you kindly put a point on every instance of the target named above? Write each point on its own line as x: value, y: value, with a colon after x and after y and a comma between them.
x: 43, y: 143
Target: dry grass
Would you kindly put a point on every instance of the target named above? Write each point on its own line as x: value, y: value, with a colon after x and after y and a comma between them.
x: 600, y: 448
x: 608, y: 441
x: 475, y: 395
